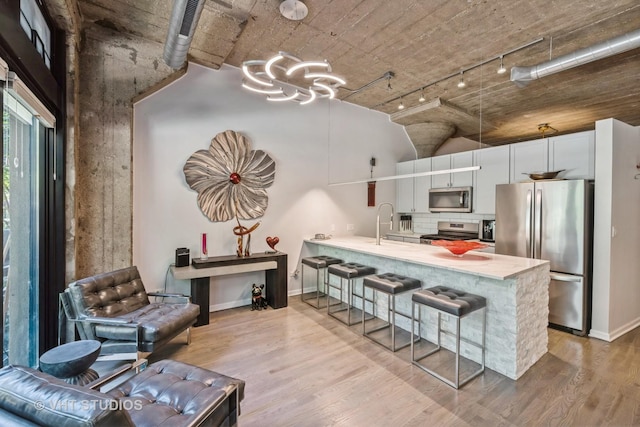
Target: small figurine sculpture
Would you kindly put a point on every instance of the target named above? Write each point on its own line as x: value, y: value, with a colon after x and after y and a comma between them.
x: 272, y: 242
x: 258, y: 302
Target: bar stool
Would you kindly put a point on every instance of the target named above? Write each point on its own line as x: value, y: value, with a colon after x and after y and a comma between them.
x: 458, y: 305
x: 320, y: 262
x: 349, y: 271
x: 390, y: 284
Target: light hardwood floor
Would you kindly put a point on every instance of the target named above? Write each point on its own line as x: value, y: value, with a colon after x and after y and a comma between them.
x: 303, y: 368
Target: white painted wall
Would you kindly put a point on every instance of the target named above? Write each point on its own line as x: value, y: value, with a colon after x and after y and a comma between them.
x: 458, y: 145
x: 616, y: 272
x: 313, y: 145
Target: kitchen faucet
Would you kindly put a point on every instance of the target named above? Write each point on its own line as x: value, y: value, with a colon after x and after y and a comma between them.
x: 378, y: 221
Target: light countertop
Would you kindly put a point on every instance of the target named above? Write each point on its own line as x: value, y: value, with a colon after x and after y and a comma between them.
x: 473, y: 262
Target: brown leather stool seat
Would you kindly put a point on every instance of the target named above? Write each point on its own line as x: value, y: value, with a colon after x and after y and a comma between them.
x: 457, y: 304
x: 349, y: 271
x: 317, y: 298
x: 390, y: 284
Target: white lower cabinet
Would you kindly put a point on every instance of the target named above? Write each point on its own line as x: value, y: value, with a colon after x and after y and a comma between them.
x: 494, y: 170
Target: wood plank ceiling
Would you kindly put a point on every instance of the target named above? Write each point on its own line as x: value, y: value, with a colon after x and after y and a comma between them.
x: 422, y: 41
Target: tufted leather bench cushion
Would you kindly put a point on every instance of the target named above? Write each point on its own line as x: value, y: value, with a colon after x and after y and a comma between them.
x: 320, y: 261
x: 157, y: 322
x: 174, y: 393
x: 391, y: 283
x: 351, y: 270
x: 29, y: 396
x: 449, y: 300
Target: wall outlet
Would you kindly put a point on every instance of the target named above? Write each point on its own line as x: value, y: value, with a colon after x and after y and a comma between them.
x: 351, y: 227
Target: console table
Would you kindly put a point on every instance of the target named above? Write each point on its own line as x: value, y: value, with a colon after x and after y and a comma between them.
x: 274, y: 265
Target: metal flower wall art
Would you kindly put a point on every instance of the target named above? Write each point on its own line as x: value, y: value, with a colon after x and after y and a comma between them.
x: 230, y: 178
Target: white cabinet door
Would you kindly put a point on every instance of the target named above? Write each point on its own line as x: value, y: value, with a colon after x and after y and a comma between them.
x: 404, y: 188
x: 441, y: 163
x: 421, y: 186
x: 462, y: 160
x: 527, y: 157
x: 494, y: 170
x: 575, y: 153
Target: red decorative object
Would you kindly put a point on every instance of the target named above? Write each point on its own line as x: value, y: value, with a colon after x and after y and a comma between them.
x: 204, y: 253
x: 459, y: 247
x: 272, y: 242
x: 234, y: 178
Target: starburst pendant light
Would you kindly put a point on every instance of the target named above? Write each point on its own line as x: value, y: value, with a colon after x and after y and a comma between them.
x: 264, y: 76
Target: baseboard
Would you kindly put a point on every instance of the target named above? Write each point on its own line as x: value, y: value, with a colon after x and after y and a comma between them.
x: 616, y: 333
x: 230, y: 304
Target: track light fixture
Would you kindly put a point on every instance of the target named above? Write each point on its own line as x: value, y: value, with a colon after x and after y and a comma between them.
x: 422, y: 98
x: 501, y: 70
x: 461, y: 83
x: 401, y: 106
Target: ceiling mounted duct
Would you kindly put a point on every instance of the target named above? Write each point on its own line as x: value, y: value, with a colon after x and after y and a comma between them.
x: 184, y: 19
x: 523, y: 75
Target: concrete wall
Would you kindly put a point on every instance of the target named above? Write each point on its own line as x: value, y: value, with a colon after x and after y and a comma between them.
x: 616, y: 230
x: 313, y: 146
x: 113, y: 69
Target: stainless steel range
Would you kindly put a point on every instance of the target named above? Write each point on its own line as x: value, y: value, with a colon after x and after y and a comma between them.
x: 452, y: 231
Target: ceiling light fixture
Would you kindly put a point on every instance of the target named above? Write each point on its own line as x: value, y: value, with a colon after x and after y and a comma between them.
x: 458, y: 73
x: 284, y: 66
x: 294, y: 10
x: 501, y: 70
x: 422, y: 98
x: 401, y: 105
x: 461, y: 83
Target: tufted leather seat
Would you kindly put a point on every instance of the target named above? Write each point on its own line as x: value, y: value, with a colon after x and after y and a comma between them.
x: 351, y: 270
x: 347, y: 312
x: 449, y: 300
x: 114, y: 308
x: 457, y: 304
x: 166, y: 393
x: 317, y: 297
x: 390, y: 284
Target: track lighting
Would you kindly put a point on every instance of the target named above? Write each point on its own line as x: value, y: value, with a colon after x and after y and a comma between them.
x: 461, y: 83
x: 422, y: 98
x: 401, y: 106
x: 501, y: 70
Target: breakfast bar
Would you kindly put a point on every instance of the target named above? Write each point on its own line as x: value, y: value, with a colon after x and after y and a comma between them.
x: 516, y: 290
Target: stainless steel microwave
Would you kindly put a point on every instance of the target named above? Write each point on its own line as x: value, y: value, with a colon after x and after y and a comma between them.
x: 450, y: 199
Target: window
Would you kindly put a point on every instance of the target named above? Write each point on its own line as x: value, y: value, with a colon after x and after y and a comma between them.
x: 24, y: 136
x: 34, y: 24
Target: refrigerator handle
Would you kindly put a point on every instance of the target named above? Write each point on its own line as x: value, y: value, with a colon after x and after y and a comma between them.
x: 565, y: 277
x: 538, y: 226
x: 527, y: 225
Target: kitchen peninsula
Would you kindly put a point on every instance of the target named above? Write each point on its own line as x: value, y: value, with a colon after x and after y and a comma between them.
x: 516, y: 290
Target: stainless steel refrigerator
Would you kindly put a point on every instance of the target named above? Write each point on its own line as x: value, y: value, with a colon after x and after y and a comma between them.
x: 552, y: 220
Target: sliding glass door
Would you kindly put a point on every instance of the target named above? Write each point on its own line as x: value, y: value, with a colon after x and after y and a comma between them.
x: 24, y: 137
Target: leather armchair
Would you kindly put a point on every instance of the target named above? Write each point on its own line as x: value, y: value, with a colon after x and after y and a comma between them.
x: 114, y: 308
x: 166, y: 393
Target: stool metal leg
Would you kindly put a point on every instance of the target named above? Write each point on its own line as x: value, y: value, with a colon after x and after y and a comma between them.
x: 318, y: 293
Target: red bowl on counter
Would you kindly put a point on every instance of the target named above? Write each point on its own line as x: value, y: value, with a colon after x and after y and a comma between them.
x: 459, y: 247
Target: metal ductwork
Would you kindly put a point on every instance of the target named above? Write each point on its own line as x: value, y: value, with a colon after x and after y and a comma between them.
x: 184, y: 19
x: 523, y: 75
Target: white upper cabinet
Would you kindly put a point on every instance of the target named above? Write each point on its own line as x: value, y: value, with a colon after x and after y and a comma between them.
x: 452, y: 161
x: 527, y: 157
x: 412, y: 194
x: 421, y: 186
x: 404, y: 187
x: 494, y: 170
x: 574, y: 153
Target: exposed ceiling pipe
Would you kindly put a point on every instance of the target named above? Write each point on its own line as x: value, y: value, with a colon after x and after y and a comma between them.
x: 523, y: 75
x: 184, y: 19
